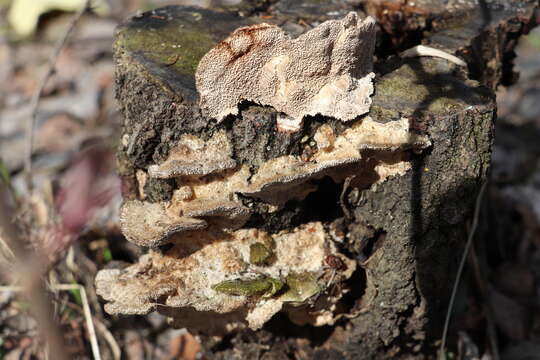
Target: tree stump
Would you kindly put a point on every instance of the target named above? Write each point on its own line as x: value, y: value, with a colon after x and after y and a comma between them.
x: 357, y: 252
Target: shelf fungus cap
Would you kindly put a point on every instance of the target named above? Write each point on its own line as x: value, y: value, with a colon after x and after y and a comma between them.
x: 125, y: 296
x: 286, y: 172
x: 193, y: 156
x: 233, y: 213
x: 327, y: 70
x: 149, y: 224
x: 209, y: 272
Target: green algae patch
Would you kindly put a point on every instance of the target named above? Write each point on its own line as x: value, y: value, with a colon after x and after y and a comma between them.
x: 171, y: 41
x: 244, y: 6
x: 313, y: 11
x: 179, y: 48
x: 427, y: 85
x: 262, y: 286
x: 259, y: 254
x: 300, y: 287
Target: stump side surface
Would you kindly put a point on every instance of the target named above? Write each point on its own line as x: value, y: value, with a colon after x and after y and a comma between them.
x: 419, y: 218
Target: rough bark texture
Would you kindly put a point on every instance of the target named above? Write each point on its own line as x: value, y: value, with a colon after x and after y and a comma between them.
x: 410, y: 228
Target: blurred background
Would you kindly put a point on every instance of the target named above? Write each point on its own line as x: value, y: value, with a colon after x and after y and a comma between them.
x: 67, y: 226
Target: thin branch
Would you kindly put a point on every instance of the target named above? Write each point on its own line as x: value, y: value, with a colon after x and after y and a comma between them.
x: 115, y: 348
x: 11, y: 288
x: 34, y: 104
x: 30, y: 281
x: 41, y: 310
x: 460, y: 269
x: 86, y: 311
x: 105, y: 333
x: 491, y: 329
x: 342, y: 203
x: 87, y: 315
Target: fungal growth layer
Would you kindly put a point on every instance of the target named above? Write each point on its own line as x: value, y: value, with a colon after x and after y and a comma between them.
x: 325, y: 71
x: 219, y: 263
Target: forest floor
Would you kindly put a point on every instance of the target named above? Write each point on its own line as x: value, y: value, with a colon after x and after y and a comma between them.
x: 72, y: 215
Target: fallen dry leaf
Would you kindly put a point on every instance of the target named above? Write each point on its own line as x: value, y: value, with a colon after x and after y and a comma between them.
x: 184, y: 346
x: 82, y: 190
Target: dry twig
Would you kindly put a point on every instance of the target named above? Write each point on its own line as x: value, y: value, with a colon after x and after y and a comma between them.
x: 29, y: 145
x: 87, y: 315
x: 86, y: 312
x: 30, y: 279
x: 41, y: 309
x: 342, y: 202
x: 479, y: 198
x: 32, y: 284
x: 491, y: 328
x: 104, y: 331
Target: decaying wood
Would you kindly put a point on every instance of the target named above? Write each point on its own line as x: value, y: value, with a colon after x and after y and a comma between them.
x: 407, y: 174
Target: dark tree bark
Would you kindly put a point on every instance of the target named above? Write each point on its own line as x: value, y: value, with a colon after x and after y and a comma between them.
x: 407, y: 233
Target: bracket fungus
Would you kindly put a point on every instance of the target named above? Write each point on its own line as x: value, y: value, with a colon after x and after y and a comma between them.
x: 221, y: 264
x: 194, y: 156
x: 150, y: 224
x: 327, y: 71
x: 209, y: 271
